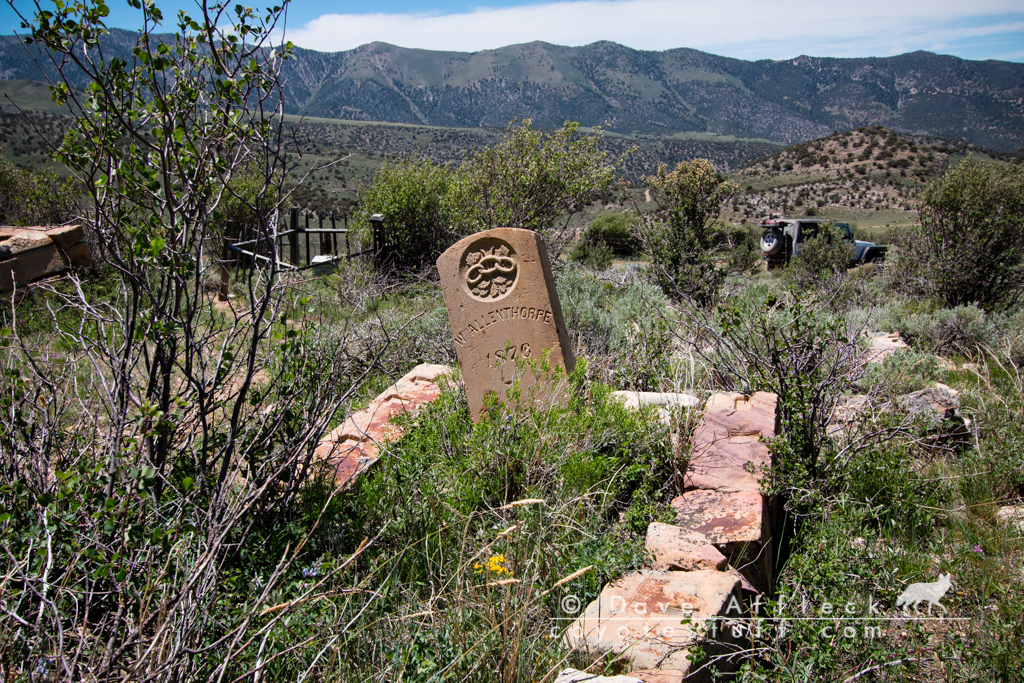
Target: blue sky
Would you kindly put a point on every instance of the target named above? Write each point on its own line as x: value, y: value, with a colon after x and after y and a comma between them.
x: 746, y: 29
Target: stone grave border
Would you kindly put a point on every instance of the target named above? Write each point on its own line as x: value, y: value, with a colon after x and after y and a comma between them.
x: 718, y: 555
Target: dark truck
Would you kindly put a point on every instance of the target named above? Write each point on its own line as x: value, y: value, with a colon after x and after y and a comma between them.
x: 782, y: 239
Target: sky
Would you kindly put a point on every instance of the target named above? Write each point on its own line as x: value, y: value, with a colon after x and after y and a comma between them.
x: 745, y: 29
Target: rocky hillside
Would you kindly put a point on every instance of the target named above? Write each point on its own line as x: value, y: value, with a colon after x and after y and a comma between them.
x: 871, y: 174
x: 640, y: 92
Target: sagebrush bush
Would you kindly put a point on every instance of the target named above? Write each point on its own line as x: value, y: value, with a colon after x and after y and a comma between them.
x: 963, y: 330
x: 619, y: 327
x: 902, y: 373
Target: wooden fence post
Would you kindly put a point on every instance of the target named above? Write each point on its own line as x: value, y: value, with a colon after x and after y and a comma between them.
x: 379, y: 238
x: 293, y: 239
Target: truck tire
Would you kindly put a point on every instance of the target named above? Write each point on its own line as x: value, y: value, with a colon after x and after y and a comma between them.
x: 771, y: 242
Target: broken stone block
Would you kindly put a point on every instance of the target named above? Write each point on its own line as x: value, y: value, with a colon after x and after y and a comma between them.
x: 729, y: 450
x: 736, y: 522
x: 422, y: 378
x: 66, y: 236
x: 1012, y: 515
x: 938, y: 401
x: 939, y: 405
x: 24, y: 240
x: 43, y: 262
x: 882, y: 344
x: 574, y: 676
x: 634, y: 399
x: 681, y: 549
x: 658, y: 675
x: 355, y: 445
x: 78, y: 255
x: 651, y: 618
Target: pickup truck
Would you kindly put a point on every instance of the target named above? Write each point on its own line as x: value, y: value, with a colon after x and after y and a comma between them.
x: 782, y: 239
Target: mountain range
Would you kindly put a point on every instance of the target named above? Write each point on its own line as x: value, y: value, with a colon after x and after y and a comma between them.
x: 643, y: 92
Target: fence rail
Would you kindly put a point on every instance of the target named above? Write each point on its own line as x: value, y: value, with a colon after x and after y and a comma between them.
x: 301, y: 254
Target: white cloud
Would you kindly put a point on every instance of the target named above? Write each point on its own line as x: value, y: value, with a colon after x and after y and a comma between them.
x: 744, y: 28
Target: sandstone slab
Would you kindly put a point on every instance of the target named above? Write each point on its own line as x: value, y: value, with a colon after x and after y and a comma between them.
x: 574, y: 676
x: 28, y: 254
x: 1012, y: 515
x: 505, y: 315
x: 66, y: 236
x: 883, y: 344
x: 737, y: 523
x: 729, y: 450
x: 723, y: 518
x: 651, y: 618
x: 39, y: 263
x: 676, y: 548
x: 937, y: 402
x: 24, y: 240
x: 356, y: 444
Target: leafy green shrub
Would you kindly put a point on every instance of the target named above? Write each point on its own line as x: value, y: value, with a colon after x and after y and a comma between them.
x: 410, y: 193
x: 35, y: 197
x: 615, y: 230
x: 969, y: 246
x: 684, y: 244
x: 606, y: 236
x: 822, y: 260
x: 595, y: 254
x: 794, y: 346
x: 744, y: 251
x: 532, y: 180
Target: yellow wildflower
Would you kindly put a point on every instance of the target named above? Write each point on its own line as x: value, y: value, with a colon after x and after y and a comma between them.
x: 495, y: 566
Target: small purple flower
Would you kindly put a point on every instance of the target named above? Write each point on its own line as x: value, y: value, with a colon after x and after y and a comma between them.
x: 977, y: 549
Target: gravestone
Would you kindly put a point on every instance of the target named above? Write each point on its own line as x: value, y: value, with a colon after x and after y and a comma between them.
x: 504, y: 313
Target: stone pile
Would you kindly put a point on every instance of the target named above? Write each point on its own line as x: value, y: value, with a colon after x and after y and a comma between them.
x: 705, y: 567
x: 29, y: 254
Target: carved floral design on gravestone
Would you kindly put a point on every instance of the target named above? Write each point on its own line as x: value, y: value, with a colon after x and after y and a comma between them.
x: 491, y: 269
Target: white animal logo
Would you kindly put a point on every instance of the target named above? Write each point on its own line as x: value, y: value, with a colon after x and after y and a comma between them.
x: 931, y: 593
